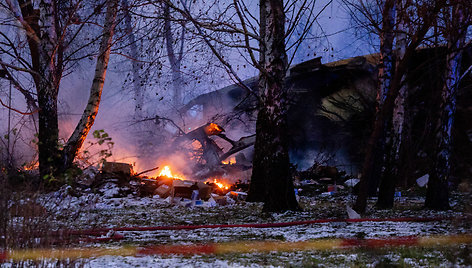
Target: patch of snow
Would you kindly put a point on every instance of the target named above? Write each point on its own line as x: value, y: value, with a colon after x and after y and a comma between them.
x: 110, y: 190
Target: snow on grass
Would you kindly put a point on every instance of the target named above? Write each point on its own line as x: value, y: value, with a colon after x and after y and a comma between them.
x: 102, y: 210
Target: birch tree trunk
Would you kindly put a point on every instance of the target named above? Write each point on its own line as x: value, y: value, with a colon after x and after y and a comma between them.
x: 88, y: 117
x: 376, y: 141
x: 390, y: 175
x: 47, y: 89
x: 272, y: 163
x: 437, y: 196
x: 374, y: 158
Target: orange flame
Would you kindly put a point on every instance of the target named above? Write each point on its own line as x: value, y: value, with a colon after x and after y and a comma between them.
x: 230, y: 161
x: 166, y: 172
x: 221, y: 185
x: 213, y: 129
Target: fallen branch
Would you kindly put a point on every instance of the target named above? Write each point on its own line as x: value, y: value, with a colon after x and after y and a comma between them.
x: 146, y: 171
x: 239, y: 145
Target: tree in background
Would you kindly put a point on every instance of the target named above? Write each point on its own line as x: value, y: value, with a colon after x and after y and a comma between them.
x: 456, y: 21
x: 379, y: 161
x: 136, y: 64
x: 175, y: 55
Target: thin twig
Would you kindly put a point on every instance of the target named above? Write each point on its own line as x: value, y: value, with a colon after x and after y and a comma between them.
x: 18, y: 111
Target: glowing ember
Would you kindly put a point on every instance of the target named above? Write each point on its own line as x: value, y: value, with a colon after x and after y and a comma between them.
x: 165, y: 172
x: 31, y: 166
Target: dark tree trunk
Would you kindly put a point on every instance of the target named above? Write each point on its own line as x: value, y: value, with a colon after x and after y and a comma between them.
x: 271, y: 161
x: 437, y: 196
x: 374, y: 158
x: 48, y: 147
x: 256, y: 189
x: 376, y: 140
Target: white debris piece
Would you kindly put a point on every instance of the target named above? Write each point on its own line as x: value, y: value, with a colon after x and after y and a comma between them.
x: 211, y: 203
x: 423, y: 180
x: 168, y: 200
x: 351, y: 182
x: 351, y: 213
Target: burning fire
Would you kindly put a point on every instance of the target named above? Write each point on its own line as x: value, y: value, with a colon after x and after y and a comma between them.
x: 221, y: 185
x: 230, y: 161
x: 213, y: 129
x: 165, y: 172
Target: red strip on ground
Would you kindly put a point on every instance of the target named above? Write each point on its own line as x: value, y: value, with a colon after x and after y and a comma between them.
x: 3, y: 256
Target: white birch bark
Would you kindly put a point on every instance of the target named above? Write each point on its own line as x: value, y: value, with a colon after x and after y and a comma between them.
x: 400, y: 101
x: 47, y: 89
x: 88, y: 117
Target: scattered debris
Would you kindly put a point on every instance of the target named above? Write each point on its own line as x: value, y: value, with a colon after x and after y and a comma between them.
x: 118, y: 168
x: 423, y: 180
x: 351, y: 182
x: 163, y: 191
x: 464, y: 187
x: 351, y: 213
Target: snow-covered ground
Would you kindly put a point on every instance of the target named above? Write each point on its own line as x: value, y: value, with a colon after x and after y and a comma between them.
x: 99, y: 210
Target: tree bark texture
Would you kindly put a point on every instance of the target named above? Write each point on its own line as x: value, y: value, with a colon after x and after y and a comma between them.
x: 257, y: 186
x: 437, y: 196
x: 47, y: 89
x: 390, y: 176
x: 88, y: 117
x: 271, y: 158
x: 374, y: 158
x: 376, y: 141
